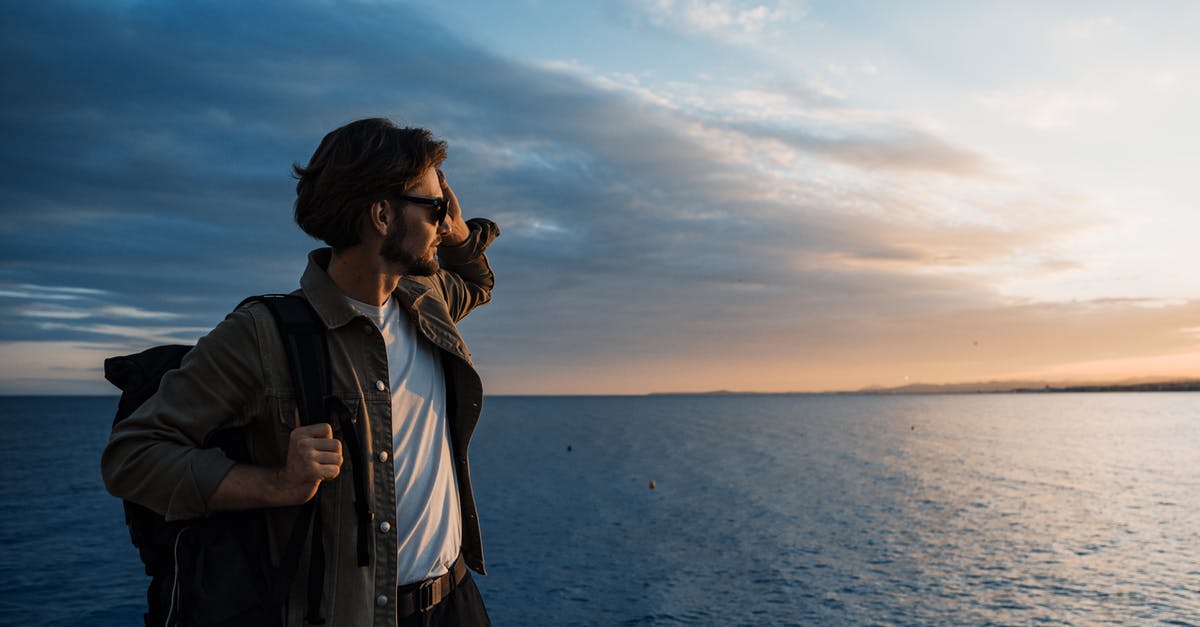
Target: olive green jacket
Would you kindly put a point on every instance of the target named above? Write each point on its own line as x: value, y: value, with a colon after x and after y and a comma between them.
x: 237, y: 377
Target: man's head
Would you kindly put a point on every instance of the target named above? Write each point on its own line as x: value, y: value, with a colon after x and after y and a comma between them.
x: 358, y: 166
x: 410, y: 227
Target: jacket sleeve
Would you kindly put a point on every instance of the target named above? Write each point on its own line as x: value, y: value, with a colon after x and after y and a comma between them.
x: 155, y: 457
x: 466, y: 279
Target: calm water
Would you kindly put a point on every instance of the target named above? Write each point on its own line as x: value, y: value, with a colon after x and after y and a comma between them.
x: 1076, y: 509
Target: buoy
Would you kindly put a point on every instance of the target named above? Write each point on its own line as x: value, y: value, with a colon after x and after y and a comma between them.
x: 651, y: 484
x: 568, y: 448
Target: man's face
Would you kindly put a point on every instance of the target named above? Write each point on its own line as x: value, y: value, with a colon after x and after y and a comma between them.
x: 412, y: 240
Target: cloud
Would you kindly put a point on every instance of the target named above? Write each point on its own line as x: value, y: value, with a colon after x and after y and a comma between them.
x: 646, y: 241
x: 737, y: 21
x: 1047, y: 108
x: 1088, y: 28
x: 813, y: 118
x: 133, y: 335
x: 910, y: 150
x: 86, y: 315
x: 119, y: 311
x: 42, y: 292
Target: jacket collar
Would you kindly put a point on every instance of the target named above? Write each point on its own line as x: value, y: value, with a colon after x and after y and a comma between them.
x: 329, y: 301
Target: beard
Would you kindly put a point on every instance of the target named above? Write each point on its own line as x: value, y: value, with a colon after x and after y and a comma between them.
x: 410, y: 263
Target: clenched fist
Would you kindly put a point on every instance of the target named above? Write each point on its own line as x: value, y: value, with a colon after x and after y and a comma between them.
x: 313, y: 456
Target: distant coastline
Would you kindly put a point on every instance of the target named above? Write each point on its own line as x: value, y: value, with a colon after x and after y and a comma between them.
x: 984, y: 387
x: 1166, y: 386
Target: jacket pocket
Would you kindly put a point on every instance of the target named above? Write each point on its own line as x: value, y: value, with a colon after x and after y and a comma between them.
x: 287, y: 416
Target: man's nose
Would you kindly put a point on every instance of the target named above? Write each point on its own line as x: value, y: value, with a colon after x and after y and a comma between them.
x: 444, y: 227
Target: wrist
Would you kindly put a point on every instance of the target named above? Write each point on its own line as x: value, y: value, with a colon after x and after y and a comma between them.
x: 281, y: 490
x: 275, y: 486
x: 455, y: 239
x: 250, y: 487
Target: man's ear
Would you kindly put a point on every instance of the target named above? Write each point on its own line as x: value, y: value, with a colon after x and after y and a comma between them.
x: 379, y: 217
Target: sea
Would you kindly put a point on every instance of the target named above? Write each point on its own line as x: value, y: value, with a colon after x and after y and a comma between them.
x: 987, y: 509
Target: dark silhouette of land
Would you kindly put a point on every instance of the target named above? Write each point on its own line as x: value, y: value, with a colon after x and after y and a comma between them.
x: 991, y: 387
x: 1033, y: 387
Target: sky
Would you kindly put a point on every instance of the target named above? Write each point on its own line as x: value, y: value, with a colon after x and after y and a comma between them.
x: 694, y: 195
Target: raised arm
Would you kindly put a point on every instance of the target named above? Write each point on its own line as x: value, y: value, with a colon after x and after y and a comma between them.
x: 465, y: 279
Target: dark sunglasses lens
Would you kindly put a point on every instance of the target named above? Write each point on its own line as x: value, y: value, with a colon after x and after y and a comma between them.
x: 439, y: 212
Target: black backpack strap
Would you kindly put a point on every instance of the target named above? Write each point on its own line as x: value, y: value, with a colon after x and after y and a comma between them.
x: 362, y: 506
x: 303, y: 336
x: 316, y: 569
x: 308, y: 357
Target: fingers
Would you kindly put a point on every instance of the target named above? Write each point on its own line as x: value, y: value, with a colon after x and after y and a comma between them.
x: 325, y: 471
x: 313, y: 453
x: 321, y: 430
x: 453, y: 230
x: 455, y: 211
x: 322, y: 443
x: 447, y: 191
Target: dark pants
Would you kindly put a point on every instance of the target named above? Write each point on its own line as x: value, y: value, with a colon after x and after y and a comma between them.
x: 463, y: 608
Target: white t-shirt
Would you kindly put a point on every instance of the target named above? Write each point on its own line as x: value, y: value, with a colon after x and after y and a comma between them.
x: 428, y: 521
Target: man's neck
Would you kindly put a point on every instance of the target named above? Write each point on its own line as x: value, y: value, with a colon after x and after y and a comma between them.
x: 361, y: 275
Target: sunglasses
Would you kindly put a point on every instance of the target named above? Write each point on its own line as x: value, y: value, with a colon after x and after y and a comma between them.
x: 440, y: 206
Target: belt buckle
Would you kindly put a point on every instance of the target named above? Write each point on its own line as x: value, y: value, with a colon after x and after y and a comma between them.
x: 425, y: 595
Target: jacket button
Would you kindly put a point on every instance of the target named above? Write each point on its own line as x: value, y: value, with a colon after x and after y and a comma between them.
x: 380, y: 385
x: 381, y: 600
x: 382, y: 456
x: 462, y: 460
x: 384, y: 527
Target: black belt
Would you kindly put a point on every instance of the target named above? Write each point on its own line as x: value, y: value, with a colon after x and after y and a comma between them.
x: 419, y: 597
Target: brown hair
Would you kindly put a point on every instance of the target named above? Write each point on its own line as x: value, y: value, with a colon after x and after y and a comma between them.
x: 355, y: 166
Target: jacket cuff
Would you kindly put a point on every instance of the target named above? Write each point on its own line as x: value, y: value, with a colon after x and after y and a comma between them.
x: 482, y: 233
x: 206, y: 469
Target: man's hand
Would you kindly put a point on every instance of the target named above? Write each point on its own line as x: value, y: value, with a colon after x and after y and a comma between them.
x: 456, y: 229
x: 313, y: 456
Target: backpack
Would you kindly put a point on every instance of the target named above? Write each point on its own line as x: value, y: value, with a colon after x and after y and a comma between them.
x: 216, y: 571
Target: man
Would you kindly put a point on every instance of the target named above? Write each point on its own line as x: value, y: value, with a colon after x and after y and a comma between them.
x: 402, y: 269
